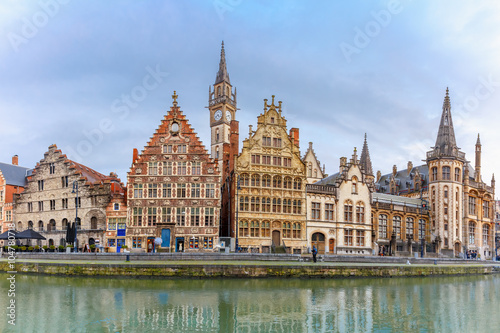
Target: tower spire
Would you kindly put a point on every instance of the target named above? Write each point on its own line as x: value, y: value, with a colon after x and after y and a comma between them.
x: 365, y: 161
x: 222, y: 74
x: 445, y: 141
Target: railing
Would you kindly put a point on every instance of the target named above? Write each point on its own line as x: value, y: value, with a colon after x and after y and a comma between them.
x: 327, y: 189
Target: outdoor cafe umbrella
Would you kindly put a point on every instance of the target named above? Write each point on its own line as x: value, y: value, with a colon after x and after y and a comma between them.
x: 29, y: 234
x: 5, y: 235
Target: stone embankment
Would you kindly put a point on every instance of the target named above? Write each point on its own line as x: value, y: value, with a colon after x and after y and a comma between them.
x: 188, y: 265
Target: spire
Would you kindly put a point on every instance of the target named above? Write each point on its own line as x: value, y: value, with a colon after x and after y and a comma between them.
x: 478, y: 142
x: 222, y: 74
x: 365, y: 161
x: 445, y: 142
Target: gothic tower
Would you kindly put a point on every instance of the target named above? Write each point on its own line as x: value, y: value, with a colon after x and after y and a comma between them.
x: 446, y: 164
x: 222, y: 106
x: 366, y: 163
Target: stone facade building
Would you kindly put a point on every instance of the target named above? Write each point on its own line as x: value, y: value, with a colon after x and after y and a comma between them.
x: 116, y: 222
x: 461, y: 205
x: 12, y: 181
x: 49, y: 200
x: 313, y: 166
x: 271, y: 180
x: 173, y: 190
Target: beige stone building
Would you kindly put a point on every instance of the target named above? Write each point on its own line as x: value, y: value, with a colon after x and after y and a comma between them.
x: 271, y: 197
x: 49, y: 201
x: 313, y: 166
x: 338, y: 209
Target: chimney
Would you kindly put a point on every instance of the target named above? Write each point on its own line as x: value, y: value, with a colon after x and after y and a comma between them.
x: 135, y: 155
x: 294, y: 135
x: 15, y: 160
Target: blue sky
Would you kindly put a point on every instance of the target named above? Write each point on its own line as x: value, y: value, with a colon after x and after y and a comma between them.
x: 341, y: 68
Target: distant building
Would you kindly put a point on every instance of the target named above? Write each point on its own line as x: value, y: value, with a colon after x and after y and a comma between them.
x: 49, y: 200
x: 12, y: 181
x: 173, y: 190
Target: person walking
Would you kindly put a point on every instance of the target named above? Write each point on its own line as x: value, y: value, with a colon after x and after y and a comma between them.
x: 314, y: 252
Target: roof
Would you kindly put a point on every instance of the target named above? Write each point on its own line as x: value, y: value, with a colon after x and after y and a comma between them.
x: 396, y: 199
x: 14, y: 175
x: 404, y: 180
x: 330, y: 180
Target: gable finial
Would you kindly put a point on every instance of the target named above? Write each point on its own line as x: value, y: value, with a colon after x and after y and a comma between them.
x: 174, y: 97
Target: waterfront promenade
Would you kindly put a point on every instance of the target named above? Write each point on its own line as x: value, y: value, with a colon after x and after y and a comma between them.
x: 214, y: 265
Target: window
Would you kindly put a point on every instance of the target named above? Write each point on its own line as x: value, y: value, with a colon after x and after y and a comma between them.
x: 266, y: 141
x: 287, y: 183
x: 287, y: 230
x: 40, y: 206
x: 255, y: 159
x: 8, y: 215
x: 209, y: 190
x: 272, y: 120
x: 136, y: 242
x: 265, y: 230
x: 396, y: 225
x: 354, y: 185
x: 348, y: 237
x: 316, y: 211
x: 209, y: 217
x: 255, y: 204
x: 167, y: 149
x: 111, y: 242
x: 208, y: 242
x: 52, y: 205
x: 329, y: 212
x: 255, y: 181
x: 152, y: 190
x: 195, y: 217
x: 167, y: 168
x: 276, y: 205
x: 244, y: 204
x: 181, y: 168
x: 446, y: 173
x: 297, y: 230
x: 287, y: 162
x: 277, y: 181
x: 196, y: 168
x: 434, y: 171
x: 40, y: 185
x: 181, y: 216
x: 287, y: 206
x: 151, y: 216
x: 30, y: 206
x: 266, y: 160
x: 409, y: 226
x: 360, y: 238
x: 421, y: 228
x: 120, y: 242
x: 254, y: 229
x: 297, y: 206
x: 52, y: 168
x: 166, y: 215
x: 116, y: 206
x: 181, y: 149
x: 486, y: 209
x: 217, y: 135
x: 1, y: 213
x: 64, y: 181
x: 1, y: 196
x: 457, y: 174
x: 195, y: 190
x: 297, y: 184
x: 348, y: 211
x: 472, y: 232
x: 243, y: 228
x: 217, y: 152
x: 137, y: 217
x: 93, y: 222
x: 112, y: 224
x: 181, y: 190
x: 137, y: 191
x: 276, y: 161
x: 486, y: 234
x: 360, y: 212
x: 382, y: 226
x: 266, y: 205
x: 40, y: 225
x: 244, y: 180
x: 152, y: 168
x: 266, y: 181
x: 277, y: 142
x: 472, y: 205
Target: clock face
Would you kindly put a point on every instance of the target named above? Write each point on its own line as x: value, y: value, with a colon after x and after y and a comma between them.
x: 218, y: 115
x: 228, y: 116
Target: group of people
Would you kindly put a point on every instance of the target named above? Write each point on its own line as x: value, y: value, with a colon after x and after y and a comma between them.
x: 472, y: 254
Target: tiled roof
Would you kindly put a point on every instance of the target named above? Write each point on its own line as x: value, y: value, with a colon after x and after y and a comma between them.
x: 404, y: 179
x: 14, y: 175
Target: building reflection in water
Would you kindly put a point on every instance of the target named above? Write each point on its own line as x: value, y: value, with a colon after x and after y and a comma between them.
x: 448, y: 304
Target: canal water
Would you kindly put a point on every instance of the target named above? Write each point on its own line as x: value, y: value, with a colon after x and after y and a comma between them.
x: 441, y: 304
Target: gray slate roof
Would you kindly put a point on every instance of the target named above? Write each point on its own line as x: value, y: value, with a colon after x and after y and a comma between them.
x: 396, y: 199
x: 404, y: 180
x: 330, y: 180
x: 14, y: 174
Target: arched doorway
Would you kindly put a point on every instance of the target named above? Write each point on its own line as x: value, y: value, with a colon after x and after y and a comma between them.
x: 331, y: 246
x: 91, y: 241
x: 318, y: 240
x: 457, y: 249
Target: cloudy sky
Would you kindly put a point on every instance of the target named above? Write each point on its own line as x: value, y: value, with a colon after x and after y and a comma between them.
x: 96, y: 77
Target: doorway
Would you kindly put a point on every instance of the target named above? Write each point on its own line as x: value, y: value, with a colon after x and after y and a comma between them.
x: 151, y: 244
x: 165, y: 238
x: 179, y: 244
x: 276, y: 238
x: 331, y: 246
x: 457, y: 250
x: 318, y: 240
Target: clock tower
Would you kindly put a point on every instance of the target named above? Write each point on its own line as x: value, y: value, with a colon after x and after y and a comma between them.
x: 222, y: 106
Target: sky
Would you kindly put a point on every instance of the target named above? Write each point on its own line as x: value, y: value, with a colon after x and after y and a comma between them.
x: 96, y: 77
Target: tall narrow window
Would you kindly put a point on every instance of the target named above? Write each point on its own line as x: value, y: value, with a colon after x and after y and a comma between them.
x: 446, y: 173
x: 396, y: 225
x: 167, y: 191
x: 137, y: 217
x: 457, y: 174
x: 196, y: 168
x: 52, y: 168
x: 348, y: 237
x: 181, y: 216
x: 472, y: 233
x: 137, y: 191
x: 360, y: 212
x: 209, y: 190
x: 472, y: 205
x: 409, y: 226
x: 152, y: 168
x: 181, y: 190
x: 348, y: 211
x: 195, y: 217
x: 329, y: 212
x: 382, y: 226
x: 434, y: 173
x: 152, y: 190
x: 360, y: 238
x: 209, y: 217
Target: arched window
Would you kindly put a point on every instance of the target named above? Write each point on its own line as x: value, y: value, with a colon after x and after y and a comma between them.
x: 64, y: 224
x: 277, y: 181
x: 244, y: 204
x: 297, y: 184
x: 51, y: 242
x: 276, y: 205
x: 218, y: 91
x: 78, y: 223
x: 382, y: 226
x: 93, y: 222
x: 445, y: 191
x: 409, y: 227
x: 217, y: 135
x: 244, y: 179
x: 348, y: 211
x: 62, y: 242
x: 360, y: 212
x: 266, y: 205
x: 254, y: 229
x: 446, y: 173
x: 354, y: 185
x: 287, y: 230
x: 40, y: 225
x: 52, y: 225
x: 20, y: 225
x: 472, y: 232
x: 217, y: 152
x: 396, y: 226
x: 296, y: 230
x: 486, y: 234
x: 287, y: 182
x: 255, y: 204
x: 255, y: 180
x: 227, y: 91
x: 315, y: 173
x: 30, y: 224
x: 266, y: 181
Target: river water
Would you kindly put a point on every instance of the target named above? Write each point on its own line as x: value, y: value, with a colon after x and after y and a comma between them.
x: 441, y: 304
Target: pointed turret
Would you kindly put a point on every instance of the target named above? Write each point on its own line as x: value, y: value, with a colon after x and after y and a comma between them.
x: 222, y: 75
x: 478, y: 160
x: 365, y: 161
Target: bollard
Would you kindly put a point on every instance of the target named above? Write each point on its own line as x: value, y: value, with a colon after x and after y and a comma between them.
x: 128, y: 257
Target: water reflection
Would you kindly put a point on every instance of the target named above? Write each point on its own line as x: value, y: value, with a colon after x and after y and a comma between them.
x: 448, y: 304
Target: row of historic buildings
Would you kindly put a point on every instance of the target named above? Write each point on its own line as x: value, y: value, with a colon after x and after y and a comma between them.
x: 265, y: 197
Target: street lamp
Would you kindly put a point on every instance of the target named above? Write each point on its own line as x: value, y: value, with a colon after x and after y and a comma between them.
x: 75, y: 190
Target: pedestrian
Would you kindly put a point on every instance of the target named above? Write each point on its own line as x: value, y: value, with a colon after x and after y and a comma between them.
x: 314, y: 252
